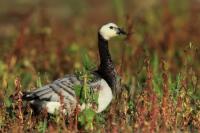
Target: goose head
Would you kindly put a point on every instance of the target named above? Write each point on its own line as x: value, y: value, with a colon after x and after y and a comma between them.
x: 110, y: 30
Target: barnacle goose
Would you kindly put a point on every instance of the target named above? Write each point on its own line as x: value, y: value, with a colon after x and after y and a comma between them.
x: 48, y: 96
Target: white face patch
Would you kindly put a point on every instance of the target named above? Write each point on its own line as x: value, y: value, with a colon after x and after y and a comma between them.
x: 108, y: 31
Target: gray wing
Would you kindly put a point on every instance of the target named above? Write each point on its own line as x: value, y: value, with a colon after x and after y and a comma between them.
x: 51, y: 92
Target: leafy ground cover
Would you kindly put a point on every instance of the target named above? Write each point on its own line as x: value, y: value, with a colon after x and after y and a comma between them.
x: 158, y: 63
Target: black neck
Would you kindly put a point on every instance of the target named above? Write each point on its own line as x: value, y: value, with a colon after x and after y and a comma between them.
x: 106, y: 68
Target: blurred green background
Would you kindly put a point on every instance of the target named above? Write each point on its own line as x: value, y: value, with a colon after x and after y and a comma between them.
x: 47, y: 37
x: 42, y: 40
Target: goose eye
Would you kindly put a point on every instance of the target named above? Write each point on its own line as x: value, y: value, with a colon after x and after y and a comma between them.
x: 111, y: 27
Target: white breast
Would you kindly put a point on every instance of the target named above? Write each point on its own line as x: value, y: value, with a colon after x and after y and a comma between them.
x: 105, y: 96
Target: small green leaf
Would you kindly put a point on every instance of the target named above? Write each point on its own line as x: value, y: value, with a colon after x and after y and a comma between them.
x: 86, y: 118
x: 86, y: 61
x: 39, y: 82
x: 95, y: 97
x: 90, y: 114
x: 42, y: 126
x: 78, y: 89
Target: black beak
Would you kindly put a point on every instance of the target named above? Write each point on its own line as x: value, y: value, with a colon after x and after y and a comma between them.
x: 121, y: 32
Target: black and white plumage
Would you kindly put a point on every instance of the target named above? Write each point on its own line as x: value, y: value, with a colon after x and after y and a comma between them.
x: 105, y: 81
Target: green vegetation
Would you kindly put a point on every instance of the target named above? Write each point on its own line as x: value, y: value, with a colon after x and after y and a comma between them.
x: 158, y: 63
